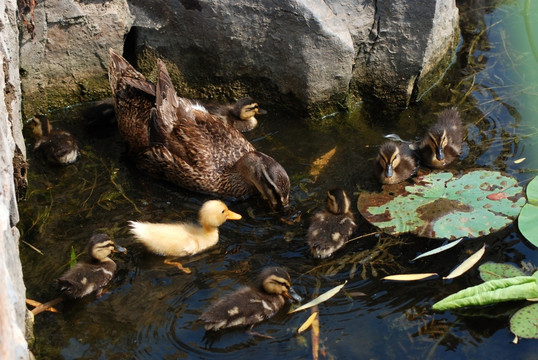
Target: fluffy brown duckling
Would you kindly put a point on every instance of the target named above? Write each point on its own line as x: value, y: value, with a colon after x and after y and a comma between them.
x: 330, y: 229
x: 395, y: 163
x: 178, y: 140
x: 58, y: 147
x: 87, y: 277
x: 251, y: 305
x: 241, y: 115
x: 442, y: 143
x: 183, y: 239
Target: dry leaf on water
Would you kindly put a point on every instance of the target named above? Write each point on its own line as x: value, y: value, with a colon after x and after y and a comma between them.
x: 323, y: 297
x: 308, y: 322
x: 319, y: 164
x: 467, y: 264
x: 409, y: 277
x: 439, y: 249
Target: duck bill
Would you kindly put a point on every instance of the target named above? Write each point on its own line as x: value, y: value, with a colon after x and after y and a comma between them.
x: 233, y: 216
x: 389, y: 171
x: 261, y: 111
x: 292, y: 295
x: 439, y: 153
x: 119, y: 249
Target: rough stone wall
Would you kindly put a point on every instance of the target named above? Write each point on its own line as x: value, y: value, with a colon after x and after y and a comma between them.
x: 12, y: 294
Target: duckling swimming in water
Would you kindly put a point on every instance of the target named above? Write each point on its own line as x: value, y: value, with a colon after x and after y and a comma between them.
x: 395, y: 163
x: 58, y: 147
x: 442, y: 143
x: 175, y: 139
x: 251, y: 305
x: 331, y: 228
x: 87, y: 277
x: 240, y: 115
x: 184, y: 239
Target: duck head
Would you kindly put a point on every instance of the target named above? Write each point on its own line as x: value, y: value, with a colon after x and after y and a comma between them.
x: 337, y: 201
x: 275, y: 280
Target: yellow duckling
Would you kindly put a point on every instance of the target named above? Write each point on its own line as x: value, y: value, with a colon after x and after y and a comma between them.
x: 184, y: 239
x: 330, y: 229
x: 57, y: 146
x: 87, y: 277
x: 395, y: 163
x: 442, y: 143
x: 178, y: 140
x: 241, y: 115
x: 251, y: 305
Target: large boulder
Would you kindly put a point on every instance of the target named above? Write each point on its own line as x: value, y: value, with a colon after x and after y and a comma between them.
x: 64, y: 60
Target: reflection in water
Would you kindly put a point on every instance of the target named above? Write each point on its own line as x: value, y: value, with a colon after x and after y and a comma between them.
x: 151, y: 309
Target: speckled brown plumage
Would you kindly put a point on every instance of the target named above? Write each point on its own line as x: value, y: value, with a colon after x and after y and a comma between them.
x: 57, y: 146
x: 251, y: 305
x: 90, y: 276
x: 330, y: 229
x: 442, y: 143
x: 395, y: 163
x: 183, y: 143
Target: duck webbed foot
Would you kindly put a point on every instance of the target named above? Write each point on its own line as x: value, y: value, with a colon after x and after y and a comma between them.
x: 178, y: 265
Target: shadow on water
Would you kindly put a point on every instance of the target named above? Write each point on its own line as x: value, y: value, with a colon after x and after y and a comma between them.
x: 150, y: 310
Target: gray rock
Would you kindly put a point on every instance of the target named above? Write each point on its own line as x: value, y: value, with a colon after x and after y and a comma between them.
x: 12, y: 294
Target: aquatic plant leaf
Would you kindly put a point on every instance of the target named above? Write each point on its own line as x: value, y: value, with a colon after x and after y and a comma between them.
x: 528, y: 218
x: 307, y: 323
x: 72, y: 258
x: 409, y: 277
x: 492, y: 271
x: 323, y: 297
x: 439, y: 249
x: 467, y: 264
x: 492, y: 291
x: 524, y: 323
x: 443, y: 205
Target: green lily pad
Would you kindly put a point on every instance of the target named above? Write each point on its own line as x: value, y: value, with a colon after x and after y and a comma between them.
x: 443, y: 205
x: 528, y: 219
x: 492, y: 271
x: 524, y: 323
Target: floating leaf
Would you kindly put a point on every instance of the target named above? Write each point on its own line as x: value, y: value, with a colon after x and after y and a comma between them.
x: 467, y: 264
x: 442, y: 205
x: 490, y: 292
x: 439, y: 249
x: 308, y: 322
x: 498, y: 196
x: 409, y: 277
x: 524, y: 323
x: 320, y: 163
x: 520, y: 160
x: 323, y: 297
x: 528, y: 218
x: 492, y: 271
x: 315, y: 335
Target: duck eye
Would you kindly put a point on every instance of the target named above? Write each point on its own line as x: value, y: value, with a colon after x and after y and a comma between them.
x: 223, y: 211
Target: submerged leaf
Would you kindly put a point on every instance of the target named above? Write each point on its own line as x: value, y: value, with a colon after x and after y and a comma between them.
x: 442, y: 205
x: 492, y: 271
x: 524, y: 323
x: 439, y: 249
x: 490, y: 292
x: 409, y: 277
x: 323, y: 297
x: 467, y: 264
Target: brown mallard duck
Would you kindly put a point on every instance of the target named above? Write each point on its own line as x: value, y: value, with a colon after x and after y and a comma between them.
x: 442, y: 143
x: 176, y: 139
x: 183, y: 239
x: 57, y: 146
x: 87, y: 277
x: 330, y: 229
x: 395, y: 163
x: 241, y: 115
x: 251, y: 305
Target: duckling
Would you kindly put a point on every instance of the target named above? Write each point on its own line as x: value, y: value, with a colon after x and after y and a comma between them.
x: 86, y: 277
x: 330, y: 229
x: 57, y: 146
x: 442, y: 143
x: 178, y: 140
x: 184, y: 239
x: 251, y: 305
x: 240, y: 115
x: 395, y: 163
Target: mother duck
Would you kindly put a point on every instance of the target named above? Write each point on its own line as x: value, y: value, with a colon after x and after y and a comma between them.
x: 176, y: 139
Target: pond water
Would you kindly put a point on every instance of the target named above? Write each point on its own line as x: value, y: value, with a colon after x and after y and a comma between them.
x: 150, y: 310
